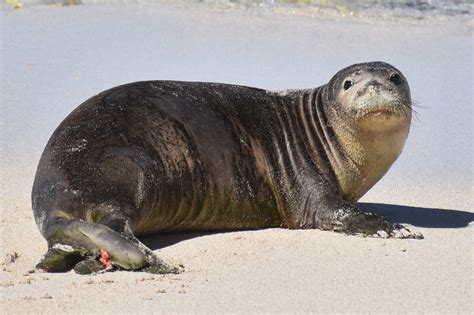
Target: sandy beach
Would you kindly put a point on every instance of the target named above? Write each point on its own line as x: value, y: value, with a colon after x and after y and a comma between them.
x: 54, y: 57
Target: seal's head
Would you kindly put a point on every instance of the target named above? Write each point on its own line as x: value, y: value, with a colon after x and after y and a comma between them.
x: 371, y: 96
x: 368, y: 107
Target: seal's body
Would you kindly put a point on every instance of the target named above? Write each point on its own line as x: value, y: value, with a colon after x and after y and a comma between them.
x: 160, y: 156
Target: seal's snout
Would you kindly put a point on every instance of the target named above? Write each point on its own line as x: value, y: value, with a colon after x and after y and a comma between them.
x: 374, y: 85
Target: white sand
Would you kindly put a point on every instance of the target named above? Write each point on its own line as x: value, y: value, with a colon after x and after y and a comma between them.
x: 53, y: 58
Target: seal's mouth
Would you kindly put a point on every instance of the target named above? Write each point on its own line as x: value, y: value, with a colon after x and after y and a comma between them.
x: 384, y: 112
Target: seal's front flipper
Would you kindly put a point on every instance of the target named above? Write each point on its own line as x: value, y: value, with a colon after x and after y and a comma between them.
x: 352, y: 220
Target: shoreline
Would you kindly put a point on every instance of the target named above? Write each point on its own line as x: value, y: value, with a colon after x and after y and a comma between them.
x: 312, y: 12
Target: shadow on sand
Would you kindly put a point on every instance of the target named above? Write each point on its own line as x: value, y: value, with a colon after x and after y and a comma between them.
x: 416, y: 216
x: 157, y: 241
x: 421, y: 217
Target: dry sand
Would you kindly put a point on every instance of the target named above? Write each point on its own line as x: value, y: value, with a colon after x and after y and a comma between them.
x: 53, y: 58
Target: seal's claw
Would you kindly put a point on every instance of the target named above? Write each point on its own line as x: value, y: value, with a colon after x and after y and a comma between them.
x: 381, y: 234
x: 402, y: 232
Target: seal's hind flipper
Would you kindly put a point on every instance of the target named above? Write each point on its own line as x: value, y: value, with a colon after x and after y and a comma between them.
x: 88, y: 266
x: 119, y: 223
x: 61, y: 258
x: 73, y: 241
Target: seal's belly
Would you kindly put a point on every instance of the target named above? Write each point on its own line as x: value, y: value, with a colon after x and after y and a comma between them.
x: 211, y: 207
x: 207, y: 173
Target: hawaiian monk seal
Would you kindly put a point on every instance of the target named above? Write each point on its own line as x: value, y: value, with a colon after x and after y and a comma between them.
x: 159, y: 156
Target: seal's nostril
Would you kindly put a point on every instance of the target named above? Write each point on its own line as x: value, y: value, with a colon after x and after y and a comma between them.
x: 374, y: 85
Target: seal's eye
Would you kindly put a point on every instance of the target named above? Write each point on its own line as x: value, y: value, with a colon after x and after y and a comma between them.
x: 347, y: 84
x: 395, y: 78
